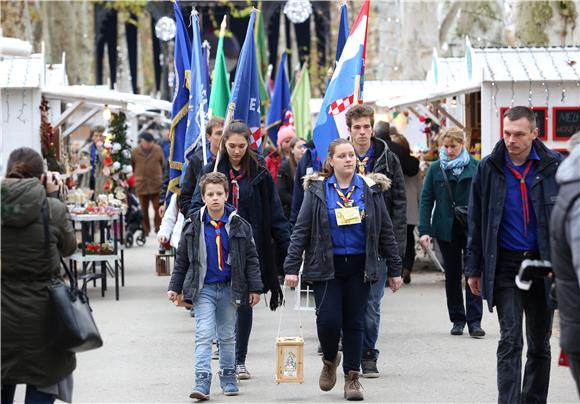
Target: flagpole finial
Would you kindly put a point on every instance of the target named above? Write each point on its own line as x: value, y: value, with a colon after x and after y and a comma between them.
x: 223, y: 26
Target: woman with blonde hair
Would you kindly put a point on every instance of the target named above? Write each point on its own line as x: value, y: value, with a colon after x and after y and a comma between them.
x: 446, y: 186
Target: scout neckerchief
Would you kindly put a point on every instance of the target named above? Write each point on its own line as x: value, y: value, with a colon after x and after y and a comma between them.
x: 345, y: 199
x: 218, y: 242
x: 523, y: 191
x: 236, y: 187
x: 362, y: 163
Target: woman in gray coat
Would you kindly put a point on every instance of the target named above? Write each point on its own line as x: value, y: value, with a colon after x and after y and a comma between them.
x: 343, y: 226
x: 28, y: 267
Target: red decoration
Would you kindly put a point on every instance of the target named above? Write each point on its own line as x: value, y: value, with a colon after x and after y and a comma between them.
x: 108, y: 161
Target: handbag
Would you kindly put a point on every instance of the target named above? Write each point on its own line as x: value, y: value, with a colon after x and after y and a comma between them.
x: 73, y: 327
x: 459, y: 212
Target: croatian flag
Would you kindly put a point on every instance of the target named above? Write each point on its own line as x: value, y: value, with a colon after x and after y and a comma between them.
x: 340, y: 93
x: 245, y: 99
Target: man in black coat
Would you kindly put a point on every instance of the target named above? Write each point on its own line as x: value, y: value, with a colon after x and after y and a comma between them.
x: 213, y: 130
x: 409, y: 164
x: 512, y: 195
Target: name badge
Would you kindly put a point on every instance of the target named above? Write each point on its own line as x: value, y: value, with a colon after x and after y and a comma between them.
x: 347, y: 216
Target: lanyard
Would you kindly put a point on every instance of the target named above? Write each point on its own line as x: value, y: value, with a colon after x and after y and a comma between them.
x: 345, y: 199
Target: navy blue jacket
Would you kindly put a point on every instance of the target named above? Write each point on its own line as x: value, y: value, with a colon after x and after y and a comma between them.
x: 488, y: 190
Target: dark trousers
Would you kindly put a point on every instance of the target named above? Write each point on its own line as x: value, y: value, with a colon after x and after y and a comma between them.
x: 575, y: 368
x: 243, y: 331
x: 144, y: 201
x: 511, y: 304
x: 453, y: 253
x: 409, y: 258
x: 340, y: 306
x: 33, y: 396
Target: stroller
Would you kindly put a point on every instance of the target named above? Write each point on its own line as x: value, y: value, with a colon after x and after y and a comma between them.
x: 134, y: 222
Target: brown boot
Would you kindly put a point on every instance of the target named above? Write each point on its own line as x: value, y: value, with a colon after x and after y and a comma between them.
x: 328, y: 375
x: 353, y: 390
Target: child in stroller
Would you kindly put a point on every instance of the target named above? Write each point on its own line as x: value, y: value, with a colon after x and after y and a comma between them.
x: 134, y: 222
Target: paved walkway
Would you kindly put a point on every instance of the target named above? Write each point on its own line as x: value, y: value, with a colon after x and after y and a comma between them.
x: 149, y: 343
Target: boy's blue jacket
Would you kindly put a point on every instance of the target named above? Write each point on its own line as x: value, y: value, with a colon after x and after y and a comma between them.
x: 192, y: 256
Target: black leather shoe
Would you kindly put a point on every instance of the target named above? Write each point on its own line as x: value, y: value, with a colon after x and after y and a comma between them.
x: 476, y: 332
x: 406, y: 276
x: 457, y: 329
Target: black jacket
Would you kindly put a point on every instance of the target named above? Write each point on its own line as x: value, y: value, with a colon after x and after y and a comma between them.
x: 285, y: 186
x: 266, y: 218
x: 190, y: 180
x: 488, y: 190
x: 385, y: 162
x: 409, y: 164
x: 192, y: 257
x: 312, y: 233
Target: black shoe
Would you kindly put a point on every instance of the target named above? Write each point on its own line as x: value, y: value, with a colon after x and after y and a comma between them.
x: 319, y: 350
x: 476, y: 332
x: 406, y: 276
x: 457, y: 329
x: 369, y: 368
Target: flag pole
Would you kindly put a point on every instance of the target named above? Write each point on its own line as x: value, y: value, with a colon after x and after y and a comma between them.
x: 356, y: 89
x: 228, y: 120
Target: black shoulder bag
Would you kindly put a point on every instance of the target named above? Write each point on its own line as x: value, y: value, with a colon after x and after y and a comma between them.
x: 73, y: 326
x: 459, y: 212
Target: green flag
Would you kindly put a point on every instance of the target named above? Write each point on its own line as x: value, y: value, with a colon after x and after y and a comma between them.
x: 220, y: 86
x: 300, y: 101
x: 262, y: 61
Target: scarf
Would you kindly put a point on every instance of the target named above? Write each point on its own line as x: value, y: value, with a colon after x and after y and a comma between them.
x: 523, y: 191
x: 218, y: 240
x: 457, y: 164
x: 236, y: 187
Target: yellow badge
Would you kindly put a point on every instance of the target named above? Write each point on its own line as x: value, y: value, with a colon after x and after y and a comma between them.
x: 347, y: 216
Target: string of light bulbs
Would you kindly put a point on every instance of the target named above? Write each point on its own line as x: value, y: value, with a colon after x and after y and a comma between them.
x: 518, y: 53
x: 557, y: 69
x: 493, y: 84
x: 546, y: 89
x: 509, y: 72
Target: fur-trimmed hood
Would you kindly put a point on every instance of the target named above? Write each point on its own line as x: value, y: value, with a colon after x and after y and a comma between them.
x: 371, y: 180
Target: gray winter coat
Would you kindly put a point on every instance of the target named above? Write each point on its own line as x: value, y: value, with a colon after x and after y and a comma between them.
x: 192, y: 256
x: 312, y: 232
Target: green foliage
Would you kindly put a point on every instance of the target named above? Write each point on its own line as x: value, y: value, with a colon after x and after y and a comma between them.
x: 533, y: 20
x: 127, y: 8
x: 567, y: 10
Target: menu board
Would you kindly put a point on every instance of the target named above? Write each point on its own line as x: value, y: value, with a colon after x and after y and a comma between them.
x: 566, y: 122
x: 541, y: 121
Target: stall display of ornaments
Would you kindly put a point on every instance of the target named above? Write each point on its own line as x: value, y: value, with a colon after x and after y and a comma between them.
x: 105, y: 204
x: 117, y: 158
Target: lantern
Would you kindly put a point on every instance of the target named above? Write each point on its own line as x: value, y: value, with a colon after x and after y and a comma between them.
x: 290, y: 360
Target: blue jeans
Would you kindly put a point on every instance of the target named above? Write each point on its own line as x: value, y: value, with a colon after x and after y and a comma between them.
x: 373, y: 314
x: 214, y: 310
x: 33, y: 396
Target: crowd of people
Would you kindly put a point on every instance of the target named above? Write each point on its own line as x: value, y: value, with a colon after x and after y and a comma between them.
x: 345, y: 219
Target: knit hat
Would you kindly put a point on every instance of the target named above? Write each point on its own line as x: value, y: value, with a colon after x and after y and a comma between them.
x: 284, y: 133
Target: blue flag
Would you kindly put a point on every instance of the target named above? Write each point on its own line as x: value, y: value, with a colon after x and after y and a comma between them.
x: 205, y: 79
x: 245, y: 100
x: 280, y: 112
x: 180, y: 102
x: 342, y: 31
x: 196, y: 116
x: 342, y: 92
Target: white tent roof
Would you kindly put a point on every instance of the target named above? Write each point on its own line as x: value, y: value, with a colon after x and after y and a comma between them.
x: 99, y: 95
x: 21, y: 71
x: 525, y: 64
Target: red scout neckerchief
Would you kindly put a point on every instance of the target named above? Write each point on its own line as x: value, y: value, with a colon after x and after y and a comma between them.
x: 523, y: 191
x: 235, y: 186
x: 345, y: 199
x: 218, y: 242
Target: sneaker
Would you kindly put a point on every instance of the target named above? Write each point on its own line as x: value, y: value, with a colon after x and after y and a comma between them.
x: 369, y: 369
x: 319, y: 350
x: 353, y: 390
x: 242, y: 372
x: 202, y: 386
x: 476, y: 332
x: 327, y: 378
x: 406, y: 276
x: 228, y: 382
x: 457, y: 329
x: 215, y: 355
